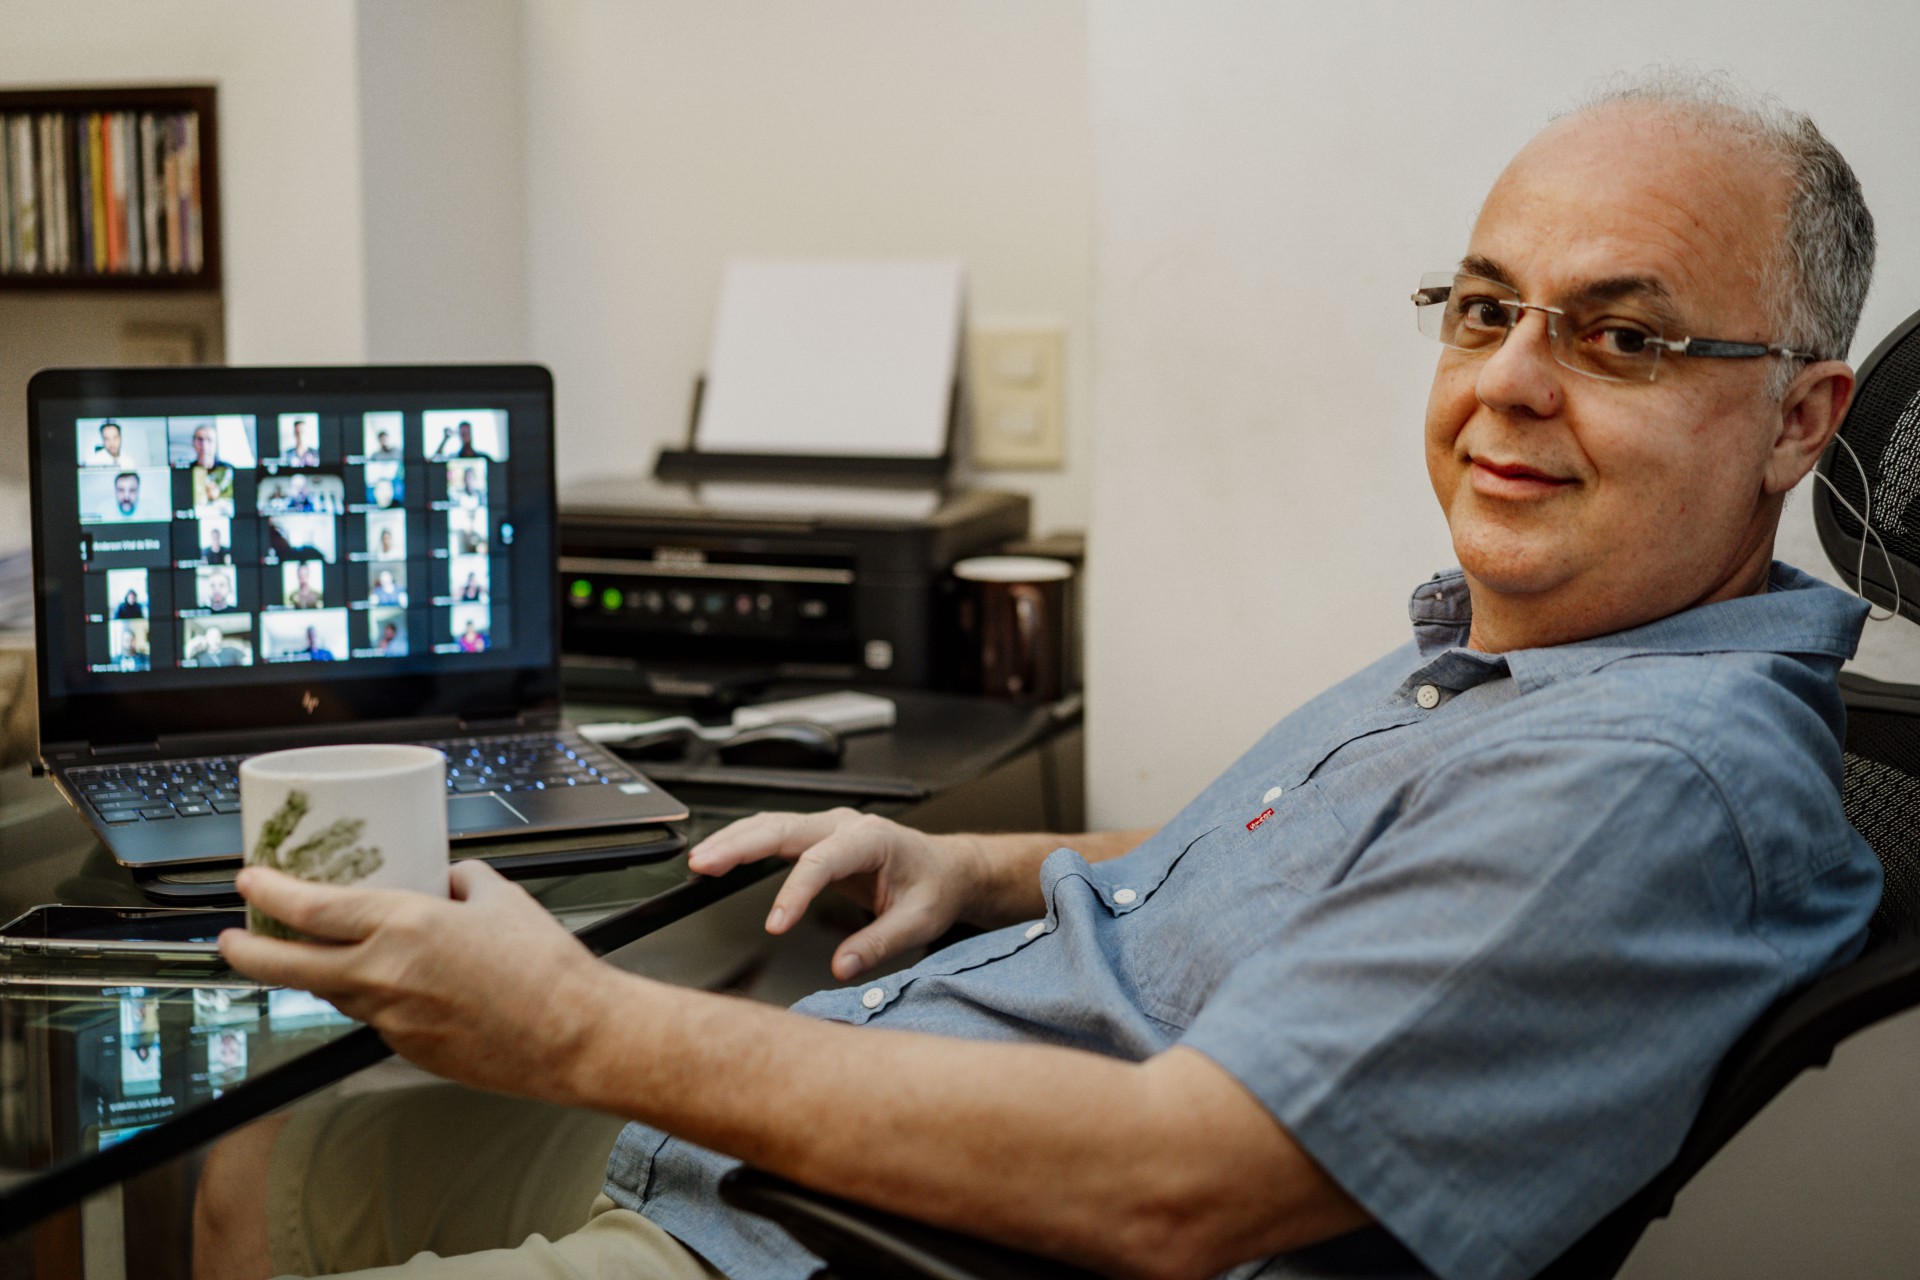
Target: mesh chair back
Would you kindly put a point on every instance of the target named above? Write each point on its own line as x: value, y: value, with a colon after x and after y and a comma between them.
x: 1883, y: 803
x: 1883, y: 430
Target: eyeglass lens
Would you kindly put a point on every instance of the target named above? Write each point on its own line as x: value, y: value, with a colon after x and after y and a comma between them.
x: 1472, y: 314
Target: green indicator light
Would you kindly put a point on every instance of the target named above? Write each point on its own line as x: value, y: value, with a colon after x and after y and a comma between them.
x: 581, y: 588
x: 610, y: 597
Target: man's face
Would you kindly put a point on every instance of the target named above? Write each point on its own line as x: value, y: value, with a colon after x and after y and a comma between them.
x: 127, y: 643
x: 385, y: 442
x: 217, y: 589
x: 466, y: 433
x: 299, y: 486
x: 214, y: 639
x: 1610, y: 504
x: 203, y: 446
x: 300, y: 575
x: 110, y: 439
x: 214, y: 539
x: 126, y: 493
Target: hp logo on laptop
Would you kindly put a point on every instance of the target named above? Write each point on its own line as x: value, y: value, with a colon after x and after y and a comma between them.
x: 309, y: 701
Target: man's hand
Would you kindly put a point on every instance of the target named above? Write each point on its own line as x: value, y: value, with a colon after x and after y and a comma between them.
x: 916, y: 885
x: 487, y: 989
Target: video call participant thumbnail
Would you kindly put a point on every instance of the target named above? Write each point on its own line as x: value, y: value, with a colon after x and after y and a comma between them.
x: 129, y: 645
x: 387, y: 632
x: 127, y: 593
x: 121, y: 444
x: 383, y: 436
x: 387, y: 535
x: 222, y: 641
x: 318, y: 635
x: 303, y: 494
x: 300, y: 585
x: 216, y: 540
x: 299, y: 439
x: 125, y: 497
x: 389, y: 586
x: 301, y: 538
x: 465, y: 433
x: 214, y: 589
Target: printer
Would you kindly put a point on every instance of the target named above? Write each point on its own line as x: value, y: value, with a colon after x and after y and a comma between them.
x: 807, y: 528
x: 669, y: 592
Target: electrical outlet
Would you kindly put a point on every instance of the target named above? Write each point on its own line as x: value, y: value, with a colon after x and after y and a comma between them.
x: 1014, y: 389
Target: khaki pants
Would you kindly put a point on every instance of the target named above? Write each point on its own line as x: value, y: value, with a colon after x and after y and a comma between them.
x: 439, y: 1182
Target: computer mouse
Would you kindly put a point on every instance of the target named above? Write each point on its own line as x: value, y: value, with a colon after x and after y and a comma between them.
x: 787, y: 744
x: 661, y: 744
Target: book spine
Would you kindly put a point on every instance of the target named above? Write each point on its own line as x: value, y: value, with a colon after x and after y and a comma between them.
x: 26, y: 204
x: 83, y: 192
x: 196, y: 254
x: 99, y: 204
x: 150, y: 193
x: 6, y: 201
x: 136, y: 221
x: 171, y: 194
x: 115, y: 159
x: 49, y: 193
x: 56, y: 131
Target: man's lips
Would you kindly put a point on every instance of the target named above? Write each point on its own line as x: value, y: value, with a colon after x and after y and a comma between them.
x: 1514, y: 479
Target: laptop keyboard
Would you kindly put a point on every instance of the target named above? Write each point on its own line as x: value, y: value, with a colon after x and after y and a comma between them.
x: 156, y: 791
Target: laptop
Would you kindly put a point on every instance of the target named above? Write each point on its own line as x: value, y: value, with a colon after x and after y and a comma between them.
x: 230, y: 560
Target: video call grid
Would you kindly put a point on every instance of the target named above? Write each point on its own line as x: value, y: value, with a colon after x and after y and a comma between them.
x: 291, y: 536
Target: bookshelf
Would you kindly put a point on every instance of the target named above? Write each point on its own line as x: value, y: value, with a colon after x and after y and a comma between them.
x: 109, y: 189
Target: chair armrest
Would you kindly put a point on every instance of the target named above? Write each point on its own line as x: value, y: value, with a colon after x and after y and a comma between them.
x: 859, y: 1243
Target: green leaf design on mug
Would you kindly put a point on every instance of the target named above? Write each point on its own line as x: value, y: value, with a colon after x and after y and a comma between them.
x: 324, y: 858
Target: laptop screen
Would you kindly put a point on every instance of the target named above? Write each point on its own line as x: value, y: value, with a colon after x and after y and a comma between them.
x: 286, y: 538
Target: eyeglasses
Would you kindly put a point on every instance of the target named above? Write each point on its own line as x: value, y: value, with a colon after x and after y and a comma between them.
x: 1469, y: 313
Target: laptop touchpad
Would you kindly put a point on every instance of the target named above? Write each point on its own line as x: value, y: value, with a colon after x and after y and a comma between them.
x: 480, y: 813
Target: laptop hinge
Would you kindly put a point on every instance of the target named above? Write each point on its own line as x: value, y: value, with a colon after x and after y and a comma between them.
x: 508, y: 724
x: 68, y: 755
x: 254, y: 741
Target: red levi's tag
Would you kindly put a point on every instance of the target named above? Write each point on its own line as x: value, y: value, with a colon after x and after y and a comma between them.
x: 1264, y: 815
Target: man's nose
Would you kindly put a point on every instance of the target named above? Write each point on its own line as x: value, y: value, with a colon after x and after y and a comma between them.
x: 1521, y: 376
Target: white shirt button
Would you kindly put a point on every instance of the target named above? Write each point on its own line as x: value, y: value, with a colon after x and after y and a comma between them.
x: 873, y: 997
x: 1035, y: 929
x: 1124, y: 896
x: 1273, y: 793
x: 1427, y: 696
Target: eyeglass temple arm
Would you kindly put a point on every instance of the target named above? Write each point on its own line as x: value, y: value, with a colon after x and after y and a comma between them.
x: 1721, y: 349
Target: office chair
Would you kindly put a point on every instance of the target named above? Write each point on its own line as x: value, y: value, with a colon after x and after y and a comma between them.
x: 1882, y: 795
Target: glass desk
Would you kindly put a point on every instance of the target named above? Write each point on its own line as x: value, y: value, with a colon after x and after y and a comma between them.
x: 109, y: 1073
x: 102, y: 1080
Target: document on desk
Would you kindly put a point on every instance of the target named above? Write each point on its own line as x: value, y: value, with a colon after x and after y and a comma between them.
x: 834, y: 358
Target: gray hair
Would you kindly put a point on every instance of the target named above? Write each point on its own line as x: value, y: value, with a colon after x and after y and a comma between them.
x: 1817, y: 281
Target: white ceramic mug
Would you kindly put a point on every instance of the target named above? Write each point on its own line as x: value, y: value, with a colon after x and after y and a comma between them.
x: 372, y: 814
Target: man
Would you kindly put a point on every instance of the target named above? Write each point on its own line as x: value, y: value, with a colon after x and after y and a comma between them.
x: 218, y: 597
x: 133, y: 654
x: 108, y: 452
x: 299, y: 496
x: 130, y: 606
x: 1430, y: 980
x: 215, y: 651
x: 126, y: 493
x: 463, y: 448
x: 299, y: 451
x: 386, y: 590
x: 212, y: 478
x: 213, y: 542
x: 467, y: 490
x: 317, y: 650
x: 383, y: 448
x: 303, y: 594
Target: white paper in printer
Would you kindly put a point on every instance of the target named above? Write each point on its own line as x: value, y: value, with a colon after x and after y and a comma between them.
x: 853, y: 358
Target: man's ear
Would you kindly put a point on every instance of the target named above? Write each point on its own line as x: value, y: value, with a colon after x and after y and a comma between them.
x: 1810, y: 413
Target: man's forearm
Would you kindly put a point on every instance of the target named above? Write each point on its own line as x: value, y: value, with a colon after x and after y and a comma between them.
x: 1041, y: 1147
x: 1010, y: 869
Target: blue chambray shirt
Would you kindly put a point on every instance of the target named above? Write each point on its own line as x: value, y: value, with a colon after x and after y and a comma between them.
x: 1475, y: 928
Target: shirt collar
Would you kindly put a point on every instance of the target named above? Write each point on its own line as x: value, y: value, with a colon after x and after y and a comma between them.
x: 1797, y: 614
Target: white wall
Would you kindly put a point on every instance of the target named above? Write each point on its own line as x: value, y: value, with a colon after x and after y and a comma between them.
x: 442, y: 179
x: 1271, y: 178
x: 663, y: 138
x: 289, y: 145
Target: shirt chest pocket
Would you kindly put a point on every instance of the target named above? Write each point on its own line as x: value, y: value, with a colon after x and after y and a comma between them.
x: 1230, y: 895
